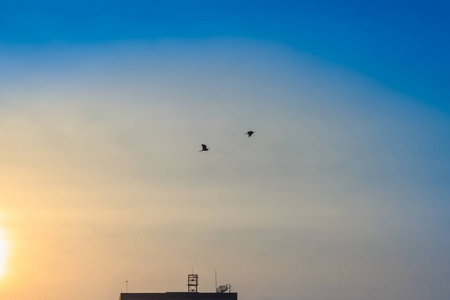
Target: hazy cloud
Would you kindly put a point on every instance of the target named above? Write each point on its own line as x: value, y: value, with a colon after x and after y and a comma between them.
x: 340, y: 191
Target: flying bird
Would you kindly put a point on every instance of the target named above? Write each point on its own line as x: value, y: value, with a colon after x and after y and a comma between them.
x: 204, y: 148
x: 249, y: 133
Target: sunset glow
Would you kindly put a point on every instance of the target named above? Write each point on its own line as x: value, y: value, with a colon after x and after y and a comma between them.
x: 341, y: 192
x: 4, y: 249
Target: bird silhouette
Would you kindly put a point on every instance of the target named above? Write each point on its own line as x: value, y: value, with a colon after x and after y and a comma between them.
x: 204, y: 148
x: 250, y: 133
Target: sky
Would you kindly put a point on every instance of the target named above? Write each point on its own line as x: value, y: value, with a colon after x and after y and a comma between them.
x: 341, y: 193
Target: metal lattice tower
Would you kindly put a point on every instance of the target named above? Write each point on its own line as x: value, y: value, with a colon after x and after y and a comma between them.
x: 192, y: 283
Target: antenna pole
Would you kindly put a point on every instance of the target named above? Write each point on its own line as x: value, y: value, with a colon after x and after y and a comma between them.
x: 215, y: 274
x: 192, y: 283
x: 126, y: 286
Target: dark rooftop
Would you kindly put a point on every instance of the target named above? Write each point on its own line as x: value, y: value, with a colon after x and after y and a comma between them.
x: 178, y: 296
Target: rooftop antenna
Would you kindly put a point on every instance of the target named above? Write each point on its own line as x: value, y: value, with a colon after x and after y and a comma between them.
x: 215, y: 274
x: 126, y: 286
x: 222, y: 289
x: 192, y: 282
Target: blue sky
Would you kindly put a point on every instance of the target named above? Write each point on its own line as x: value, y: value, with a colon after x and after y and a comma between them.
x: 402, y: 44
x: 342, y: 192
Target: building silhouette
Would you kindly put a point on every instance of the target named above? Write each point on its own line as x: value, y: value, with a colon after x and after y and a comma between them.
x: 178, y: 296
x: 191, y: 294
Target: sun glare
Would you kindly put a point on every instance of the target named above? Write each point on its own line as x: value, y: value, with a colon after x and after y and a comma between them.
x: 4, y: 247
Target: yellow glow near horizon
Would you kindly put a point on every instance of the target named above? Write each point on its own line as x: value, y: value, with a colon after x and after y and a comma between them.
x: 4, y: 249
